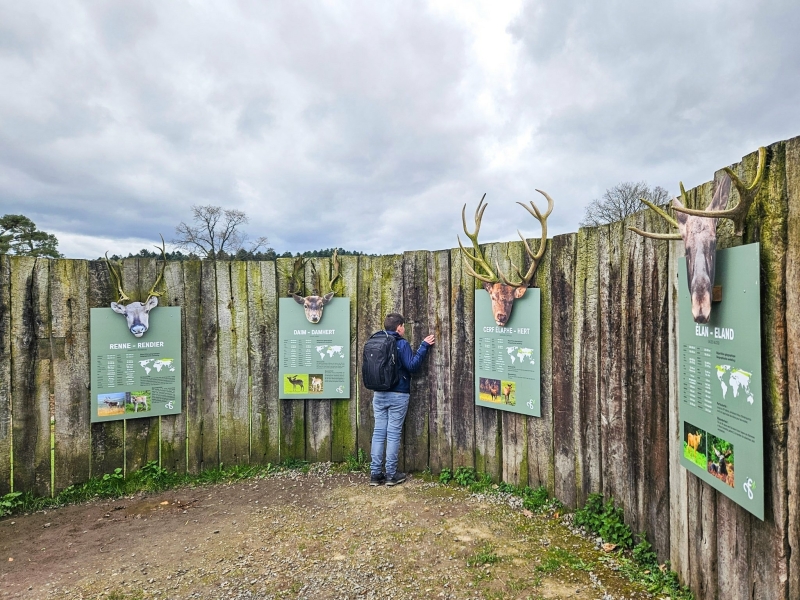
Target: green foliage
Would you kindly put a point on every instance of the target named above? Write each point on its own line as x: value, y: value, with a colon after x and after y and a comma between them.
x: 465, y: 476
x: 19, y: 235
x: 555, y: 558
x: 357, y: 462
x: 604, y: 519
x: 643, y: 552
x: 446, y: 476
x: 538, y: 500
x: 484, y: 556
x: 9, y: 502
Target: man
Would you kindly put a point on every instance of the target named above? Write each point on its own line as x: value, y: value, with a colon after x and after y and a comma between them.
x: 390, y: 407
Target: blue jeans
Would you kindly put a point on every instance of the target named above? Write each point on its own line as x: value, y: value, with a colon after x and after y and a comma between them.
x: 390, y: 411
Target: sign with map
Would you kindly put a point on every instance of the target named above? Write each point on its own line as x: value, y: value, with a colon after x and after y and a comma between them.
x: 135, y: 377
x: 507, y: 365
x: 314, y: 358
x: 720, y: 382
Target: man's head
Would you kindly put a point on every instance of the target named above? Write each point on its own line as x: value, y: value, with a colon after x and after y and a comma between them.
x: 393, y: 321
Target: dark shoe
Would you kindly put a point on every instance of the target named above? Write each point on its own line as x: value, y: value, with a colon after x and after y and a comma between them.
x: 395, y: 479
x: 377, y: 479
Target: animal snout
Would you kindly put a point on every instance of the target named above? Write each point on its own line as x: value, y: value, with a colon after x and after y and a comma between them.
x: 138, y: 330
x: 701, y: 307
x: 501, y: 318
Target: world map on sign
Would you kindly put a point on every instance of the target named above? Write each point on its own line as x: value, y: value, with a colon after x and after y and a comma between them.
x: 521, y: 354
x: 330, y: 351
x: 735, y: 380
x: 157, y: 363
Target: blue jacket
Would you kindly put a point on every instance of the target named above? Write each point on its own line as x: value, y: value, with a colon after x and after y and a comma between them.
x: 410, y: 362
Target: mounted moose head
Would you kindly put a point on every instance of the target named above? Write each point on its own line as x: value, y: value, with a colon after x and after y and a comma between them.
x: 502, y: 290
x: 137, y: 313
x: 314, y: 304
x: 698, y: 230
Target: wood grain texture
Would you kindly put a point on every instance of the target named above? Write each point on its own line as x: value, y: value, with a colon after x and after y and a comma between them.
x: 192, y: 364
x: 69, y: 309
x: 234, y: 363
x: 462, y: 362
x: 108, y: 437
x: 5, y: 374
x: 318, y: 412
x: 208, y: 413
x: 293, y: 412
x: 344, y: 412
x: 265, y: 406
x: 439, y: 322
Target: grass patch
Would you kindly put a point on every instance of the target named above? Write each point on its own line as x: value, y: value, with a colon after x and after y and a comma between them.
x: 484, y: 556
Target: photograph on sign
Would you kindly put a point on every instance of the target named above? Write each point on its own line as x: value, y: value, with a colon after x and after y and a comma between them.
x: 314, y: 351
x: 135, y: 373
x: 720, y: 380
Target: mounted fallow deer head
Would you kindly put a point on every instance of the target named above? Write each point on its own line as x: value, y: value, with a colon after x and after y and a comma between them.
x: 136, y: 313
x: 698, y: 230
x: 502, y: 290
x: 314, y: 304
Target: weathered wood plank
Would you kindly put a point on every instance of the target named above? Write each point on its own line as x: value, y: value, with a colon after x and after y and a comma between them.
x: 318, y: 412
x: 263, y: 316
x: 209, y: 360
x: 293, y: 417
x: 234, y: 420
x: 5, y: 374
x: 192, y: 361
x: 792, y: 154
x: 586, y: 390
x: 564, y: 434
x: 30, y: 374
x: 417, y: 294
x: 541, y: 467
x: 108, y: 438
x: 69, y: 285
x: 142, y: 434
x: 344, y: 412
x: 439, y: 379
x: 462, y: 362
x: 173, y: 427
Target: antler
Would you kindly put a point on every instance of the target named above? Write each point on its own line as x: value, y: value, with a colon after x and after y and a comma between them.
x: 121, y: 296
x: 747, y: 194
x: 535, y: 258
x: 665, y: 215
x: 478, y: 256
x: 153, y: 291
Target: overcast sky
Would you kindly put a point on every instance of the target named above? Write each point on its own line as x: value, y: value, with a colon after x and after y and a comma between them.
x: 367, y: 125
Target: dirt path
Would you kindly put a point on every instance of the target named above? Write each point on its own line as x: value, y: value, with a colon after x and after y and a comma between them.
x: 301, y: 536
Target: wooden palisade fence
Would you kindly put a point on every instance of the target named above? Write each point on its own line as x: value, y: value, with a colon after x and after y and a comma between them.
x: 609, y: 404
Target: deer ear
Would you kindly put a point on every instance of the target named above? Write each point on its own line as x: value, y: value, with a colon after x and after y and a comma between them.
x: 151, y: 303
x: 520, y: 291
x: 488, y: 286
x: 118, y: 308
x: 298, y: 299
x: 327, y: 297
x: 679, y: 216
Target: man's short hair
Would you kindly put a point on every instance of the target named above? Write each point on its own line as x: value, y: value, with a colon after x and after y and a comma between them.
x: 393, y: 321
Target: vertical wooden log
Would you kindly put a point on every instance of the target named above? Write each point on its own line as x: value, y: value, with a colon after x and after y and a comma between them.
x: 263, y: 315
x: 234, y: 398
x: 5, y: 374
x: 380, y: 291
x: 142, y: 435
x: 108, y: 437
x: 318, y: 412
x: 293, y: 418
x: 30, y: 374
x: 793, y: 359
x: 173, y: 427
x: 586, y: 390
x: 193, y: 360
x: 541, y: 467
x: 69, y: 285
x: 563, y: 283
x: 344, y: 412
x: 209, y: 357
x: 439, y: 379
x: 417, y: 295
x: 462, y: 362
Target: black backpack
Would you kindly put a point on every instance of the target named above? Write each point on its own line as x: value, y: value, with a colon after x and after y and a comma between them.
x: 380, y: 369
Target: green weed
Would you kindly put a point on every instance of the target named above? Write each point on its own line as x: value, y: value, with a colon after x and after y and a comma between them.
x: 484, y: 556
x: 357, y: 462
x: 9, y: 502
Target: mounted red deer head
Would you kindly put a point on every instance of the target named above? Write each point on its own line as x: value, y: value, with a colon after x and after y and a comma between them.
x: 314, y: 304
x: 501, y: 289
x: 137, y: 313
x: 698, y: 230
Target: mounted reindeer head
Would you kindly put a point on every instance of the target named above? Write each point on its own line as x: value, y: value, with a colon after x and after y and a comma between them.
x: 137, y: 313
x: 698, y: 230
x: 314, y: 304
x: 501, y: 290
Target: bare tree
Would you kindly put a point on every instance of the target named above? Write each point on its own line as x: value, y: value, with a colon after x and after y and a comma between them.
x: 621, y: 201
x: 216, y: 232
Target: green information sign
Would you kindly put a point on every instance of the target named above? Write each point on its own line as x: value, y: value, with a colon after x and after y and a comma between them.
x: 135, y: 377
x: 314, y: 358
x: 507, y: 371
x: 720, y: 382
